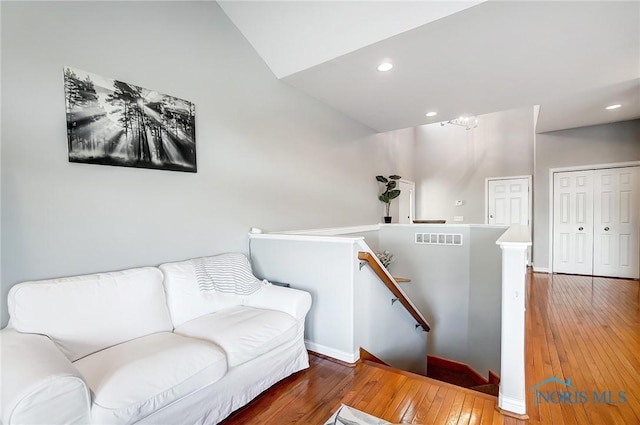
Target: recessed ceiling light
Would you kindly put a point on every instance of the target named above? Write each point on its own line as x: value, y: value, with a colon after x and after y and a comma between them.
x: 616, y: 106
x: 431, y: 114
x: 385, y: 66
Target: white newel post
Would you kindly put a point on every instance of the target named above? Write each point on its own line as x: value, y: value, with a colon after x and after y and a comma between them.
x: 512, y: 396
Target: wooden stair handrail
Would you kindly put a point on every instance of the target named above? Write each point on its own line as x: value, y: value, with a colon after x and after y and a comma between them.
x: 392, y: 285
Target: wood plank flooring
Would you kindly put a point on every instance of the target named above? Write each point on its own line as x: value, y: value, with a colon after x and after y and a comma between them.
x: 582, y: 328
x: 311, y: 396
x: 586, y: 329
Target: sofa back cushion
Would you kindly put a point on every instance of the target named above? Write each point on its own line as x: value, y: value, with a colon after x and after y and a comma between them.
x: 228, y: 280
x: 85, y: 314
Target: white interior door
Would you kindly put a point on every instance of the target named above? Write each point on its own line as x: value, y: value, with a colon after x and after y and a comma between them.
x: 573, y: 222
x: 406, y: 201
x: 616, y: 243
x: 508, y: 201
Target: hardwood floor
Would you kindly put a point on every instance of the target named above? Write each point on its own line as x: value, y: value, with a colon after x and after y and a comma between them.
x: 586, y: 329
x: 579, y: 328
x: 311, y: 396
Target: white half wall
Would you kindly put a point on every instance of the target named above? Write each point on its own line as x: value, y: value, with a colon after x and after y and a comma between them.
x: 297, y: 261
x: 485, y: 299
x: 456, y: 287
x: 351, y: 307
x: 383, y: 326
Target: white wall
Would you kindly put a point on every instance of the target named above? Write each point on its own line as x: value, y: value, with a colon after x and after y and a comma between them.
x: 485, y: 299
x: 457, y: 288
x: 383, y: 327
x: 398, y: 147
x: 600, y: 144
x: 351, y: 307
x: 439, y: 284
x: 268, y: 156
x: 370, y: 238
x: 2, y: 293
x: 451, y: 163
x: 325, y: 270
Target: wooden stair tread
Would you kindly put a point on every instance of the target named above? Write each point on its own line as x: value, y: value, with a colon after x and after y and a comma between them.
x: 491, y: 389
x: 430, y: 381
x: 402, y: 279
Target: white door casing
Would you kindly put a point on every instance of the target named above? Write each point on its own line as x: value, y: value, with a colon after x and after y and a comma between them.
x: 406, y: 201
x: 573, y: 222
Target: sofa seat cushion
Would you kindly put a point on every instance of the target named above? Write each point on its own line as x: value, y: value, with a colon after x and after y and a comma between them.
x: 243, y: 332
x: 132, y: 380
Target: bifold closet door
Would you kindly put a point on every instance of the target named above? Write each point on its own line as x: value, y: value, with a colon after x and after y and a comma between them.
x: 596, y: 221
x: 616, y: 247
x: 573, y: 222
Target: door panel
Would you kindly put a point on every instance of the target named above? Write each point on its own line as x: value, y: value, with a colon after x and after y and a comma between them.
x: 616, y: 216
x: 500, y: 214
x: 573, y: 222
x: 508, y: 202
x: 516, y: 210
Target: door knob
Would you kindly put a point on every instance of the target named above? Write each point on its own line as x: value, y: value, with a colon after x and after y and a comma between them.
x: 606, y: 229
x: 491, y: 216
x: 581, y: 228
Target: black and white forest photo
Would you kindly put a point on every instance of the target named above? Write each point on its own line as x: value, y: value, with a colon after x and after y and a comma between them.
x: 111, y: 122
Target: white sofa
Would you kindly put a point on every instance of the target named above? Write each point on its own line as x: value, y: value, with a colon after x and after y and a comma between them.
x: 148, y: 345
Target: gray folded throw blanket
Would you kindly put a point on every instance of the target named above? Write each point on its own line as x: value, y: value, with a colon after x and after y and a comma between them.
x: 226, y: 273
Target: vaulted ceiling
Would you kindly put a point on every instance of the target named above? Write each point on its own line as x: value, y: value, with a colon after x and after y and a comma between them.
x: 572, y: 58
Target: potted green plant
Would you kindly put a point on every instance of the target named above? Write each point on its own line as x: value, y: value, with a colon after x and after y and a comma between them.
x: 390, y: 192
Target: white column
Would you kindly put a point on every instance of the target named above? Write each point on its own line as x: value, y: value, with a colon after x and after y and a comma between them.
x: 512, y: 394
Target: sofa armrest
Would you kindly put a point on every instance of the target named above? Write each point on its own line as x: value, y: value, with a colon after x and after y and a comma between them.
x: 39, y: 384
x: 272, y: 297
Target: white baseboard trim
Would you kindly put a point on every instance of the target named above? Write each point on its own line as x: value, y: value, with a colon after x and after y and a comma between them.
x: 518, y: 406
x: 332, y: 352
x: 541, y: 269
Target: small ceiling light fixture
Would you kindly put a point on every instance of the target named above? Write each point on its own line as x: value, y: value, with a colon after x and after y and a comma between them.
x: 616, y: 106
x: 385, y: 66
x: 468, y: 122
x: 431, y: 114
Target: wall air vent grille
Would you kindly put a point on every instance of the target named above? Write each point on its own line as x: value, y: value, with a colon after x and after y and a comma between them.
x: 439, y: 238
